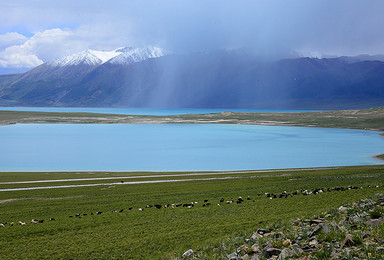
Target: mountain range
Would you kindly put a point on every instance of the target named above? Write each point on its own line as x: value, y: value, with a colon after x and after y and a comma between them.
x: 153, y: 77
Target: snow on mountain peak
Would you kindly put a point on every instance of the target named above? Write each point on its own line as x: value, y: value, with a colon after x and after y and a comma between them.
x: 131, y: 55
x: 122, y: 56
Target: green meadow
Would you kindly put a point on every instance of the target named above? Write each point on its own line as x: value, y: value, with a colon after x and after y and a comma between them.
x: 164, y: 233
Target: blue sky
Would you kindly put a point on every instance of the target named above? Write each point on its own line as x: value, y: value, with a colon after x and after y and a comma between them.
x: 36, y: 31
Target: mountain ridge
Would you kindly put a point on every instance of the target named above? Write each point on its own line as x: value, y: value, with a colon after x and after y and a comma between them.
x: 155, y: 78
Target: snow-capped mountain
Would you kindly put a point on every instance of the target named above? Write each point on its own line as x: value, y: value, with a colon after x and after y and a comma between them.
x: 122, y: 56
x: 131, y: 55
x: 87, y: 57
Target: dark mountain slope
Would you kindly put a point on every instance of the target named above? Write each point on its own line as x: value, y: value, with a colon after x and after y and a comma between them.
x: 219, y: 79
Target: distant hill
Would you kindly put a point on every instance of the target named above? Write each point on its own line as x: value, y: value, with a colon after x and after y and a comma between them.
x: 149, y: 77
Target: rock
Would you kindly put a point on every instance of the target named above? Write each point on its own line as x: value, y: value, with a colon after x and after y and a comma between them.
x: 255, y: 257
x: 187, y: 253
x: 317, y: 230
x: 343, y: 209
x: 285, y: 254
x: 316, y: 221
x: 268, y: 245
x: 313, y: 242
x: 355, y: 219
x: 256, y: 236
x: 245, y: 257
x: 380, y: 248
x: 287, y: 242
x: 269, y: 252
x: 304, y: 258
x: 233, y: 256
x: 326, y: 228
x: 263, y: 231
x: 348, y: 241
x: 372, y: 222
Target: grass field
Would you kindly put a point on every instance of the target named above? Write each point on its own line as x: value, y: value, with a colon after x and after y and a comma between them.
x: 167, y: 232
x: 367, y: 119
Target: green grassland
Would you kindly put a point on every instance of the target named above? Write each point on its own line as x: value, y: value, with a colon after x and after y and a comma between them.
x: 163, y: 233
x: 369, y: 119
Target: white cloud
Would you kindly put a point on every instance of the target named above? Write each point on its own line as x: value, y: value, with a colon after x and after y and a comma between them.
x: 50, y: 44
x: 11, y: 38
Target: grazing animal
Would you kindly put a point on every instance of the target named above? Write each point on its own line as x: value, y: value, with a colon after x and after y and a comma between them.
x: 121, y: 210
x: 2, y: 225
x: 130, y: 208
x: 52, y: 219
x: 178, y: 205
x: 218, y: 205
x: 99, y: 212
x: 205, y: 200
x: 149, y: 206
x: 85, y: 214
x: 222, y: 200
x: 41, y: 221
x: 140, y: 209
x: 21, y: 223
x: 158, y: 206
x: 77, y: 215
x: 11, y: 224
x: 229, y: 202
x: 71, y: 216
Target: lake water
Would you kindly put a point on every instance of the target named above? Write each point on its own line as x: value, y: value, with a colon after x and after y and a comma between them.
x: 173, y: 147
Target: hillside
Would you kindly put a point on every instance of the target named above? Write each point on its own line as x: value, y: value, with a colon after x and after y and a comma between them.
x: 212, y: 80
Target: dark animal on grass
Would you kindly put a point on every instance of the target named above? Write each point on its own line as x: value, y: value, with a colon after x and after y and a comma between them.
x: 158, y: 206
x: 205, y: 200
x: 52, y: 219
x: 99, y: 212
x: 222, y: 200
x: 121, y: 210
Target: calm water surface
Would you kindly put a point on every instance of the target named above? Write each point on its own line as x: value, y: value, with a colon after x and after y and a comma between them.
x: 172, y: 147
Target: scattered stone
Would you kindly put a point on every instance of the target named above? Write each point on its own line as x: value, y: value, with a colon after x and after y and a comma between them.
x: 285, y: 254
x: 187, y: 253
x: 313, y: 242
x: 233, y: 256
x: 269, y: 252
x: 343, y: 209
x: 326, y: 228
x: 287, y: 242
x: 268, y: 245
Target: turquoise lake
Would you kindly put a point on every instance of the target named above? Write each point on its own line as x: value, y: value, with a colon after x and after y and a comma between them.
x: 184, y: 147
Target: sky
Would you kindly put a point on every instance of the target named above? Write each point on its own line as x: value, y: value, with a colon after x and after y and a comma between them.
x: 36, y: 31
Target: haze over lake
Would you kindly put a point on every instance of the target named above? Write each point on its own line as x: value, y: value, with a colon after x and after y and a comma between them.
x: 174, y: 147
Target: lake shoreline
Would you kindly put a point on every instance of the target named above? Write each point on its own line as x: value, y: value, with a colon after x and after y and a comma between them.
x: 366, y: 119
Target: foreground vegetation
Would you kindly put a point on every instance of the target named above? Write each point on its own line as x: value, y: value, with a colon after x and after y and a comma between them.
x: 367, y: 119
x: 166, y: 232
